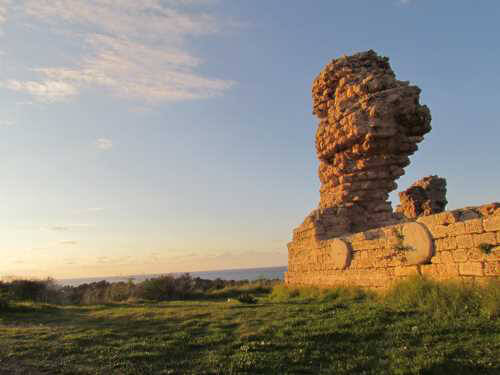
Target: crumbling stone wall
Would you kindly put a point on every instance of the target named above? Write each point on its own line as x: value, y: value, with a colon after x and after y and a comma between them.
x: 369, y: 125
x: 425, y: 197
x: 454, y: 245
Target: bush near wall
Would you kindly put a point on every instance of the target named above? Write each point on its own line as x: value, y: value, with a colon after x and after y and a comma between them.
x: 163, y: 288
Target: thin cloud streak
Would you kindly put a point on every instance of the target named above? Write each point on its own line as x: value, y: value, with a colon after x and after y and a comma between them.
x: 104, y: 144
x: 68, y: 242
x: 65, y: 228
x: 89, y: 210
x: 137, y: 50
x: 46, y: 91
x: 3, y: 12
x: 6, y: 123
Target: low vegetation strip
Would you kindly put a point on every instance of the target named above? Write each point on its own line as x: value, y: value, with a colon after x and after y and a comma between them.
x: 163, y: 288
x: 419, y: 327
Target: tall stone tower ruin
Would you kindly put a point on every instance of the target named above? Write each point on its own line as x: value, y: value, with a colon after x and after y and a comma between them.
x: 370, y: 123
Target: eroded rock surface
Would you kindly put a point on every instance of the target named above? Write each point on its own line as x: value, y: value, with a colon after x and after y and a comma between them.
x: 425, y: 197
x: 369, y: 125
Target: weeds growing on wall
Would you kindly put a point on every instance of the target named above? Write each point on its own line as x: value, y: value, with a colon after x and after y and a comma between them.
x: 486, y: 248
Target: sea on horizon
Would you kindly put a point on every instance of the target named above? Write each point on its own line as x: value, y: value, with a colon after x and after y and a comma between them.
x: 250, y: 274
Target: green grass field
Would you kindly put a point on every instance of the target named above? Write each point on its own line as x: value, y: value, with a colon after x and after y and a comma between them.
x: 288, y: 332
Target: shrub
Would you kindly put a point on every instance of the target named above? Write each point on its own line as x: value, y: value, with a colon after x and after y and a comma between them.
x: 490, y: 299
x: 4, y: 301
x: 32, y: 290
x: 444, y: 299
x: 158, y: 289
x: 120, y: 292
x: 247, y: 298
x: 163, y: 288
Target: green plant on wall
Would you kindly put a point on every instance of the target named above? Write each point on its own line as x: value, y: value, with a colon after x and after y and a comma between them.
x: 486, y: 248
x: 399, y: 249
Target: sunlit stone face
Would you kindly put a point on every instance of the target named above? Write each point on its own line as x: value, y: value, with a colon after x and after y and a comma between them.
x: 369, y: 125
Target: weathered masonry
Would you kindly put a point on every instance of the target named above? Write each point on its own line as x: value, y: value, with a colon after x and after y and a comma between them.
x: 460, y: 244
x: 370, y: 123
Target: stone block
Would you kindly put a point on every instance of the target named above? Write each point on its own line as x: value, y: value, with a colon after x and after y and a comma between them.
x: 465, y: 241
x: 495, y: 252
x: 448, y: 243
x: 487, y: 238
x: 368, y: 245
x: 447, y: 218
x: 339, y: 253
x: 447, y: 270
x: 492, y: 268
x: 436, y: 259
x: 491, y: 223
x: 456, y: 229
x: 364, y: 260
x: 446, y: 257
x: 417, y: 237
x: 460, y: 256
x: 429, y: 270
x: 374, y: 234
x: 475, y: 254
x: 407, y: 270
x: 489, y: 209
x: 429, y: 220
x: 357, y: 237
x: 471, y: 269
x: 474, y: 226
x: 438, y: 231
x: 392, y: 243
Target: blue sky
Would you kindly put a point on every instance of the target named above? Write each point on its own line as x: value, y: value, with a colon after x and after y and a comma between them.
x: 177, y: 135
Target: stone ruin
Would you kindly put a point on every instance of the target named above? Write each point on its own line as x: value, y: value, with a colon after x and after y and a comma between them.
x: 369, y: 125
x: 425, y: 197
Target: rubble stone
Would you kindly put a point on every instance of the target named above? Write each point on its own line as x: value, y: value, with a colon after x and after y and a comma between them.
x: 425, y: 197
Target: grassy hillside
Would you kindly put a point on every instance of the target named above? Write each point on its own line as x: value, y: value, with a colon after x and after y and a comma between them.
x: 420, y: 328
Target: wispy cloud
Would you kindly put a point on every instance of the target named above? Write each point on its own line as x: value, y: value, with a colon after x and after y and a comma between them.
x: 67, y: 242
x: 104, y: 144
x: 59, y: 228
x: 65, y: 228
x: 45, y: 91
x: 136, y: 50
x: 3, y: 12
x: 89, y: 210
x: 115, y: 260
x: 6, y: 123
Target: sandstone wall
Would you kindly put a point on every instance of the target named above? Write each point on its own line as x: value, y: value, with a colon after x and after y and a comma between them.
x: 369, y: 125
x: 454, y: 245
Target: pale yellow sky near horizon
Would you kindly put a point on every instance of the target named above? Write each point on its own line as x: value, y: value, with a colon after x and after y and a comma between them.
x: 177, y: 135
x: 71, y: 252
